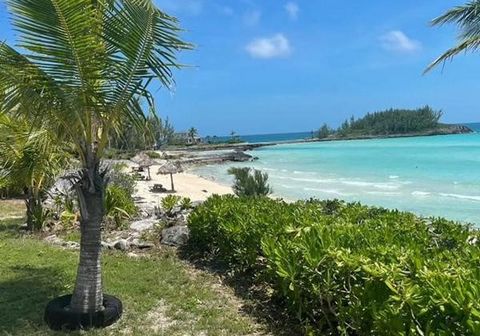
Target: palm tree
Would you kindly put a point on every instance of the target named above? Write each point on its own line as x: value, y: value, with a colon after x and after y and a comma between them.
x: 467, y: 18
x: 86, y: 67
x: 192, y: 133
x: 30, y: 161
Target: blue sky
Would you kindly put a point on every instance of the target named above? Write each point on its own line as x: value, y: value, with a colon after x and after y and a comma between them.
x: 267, y: 66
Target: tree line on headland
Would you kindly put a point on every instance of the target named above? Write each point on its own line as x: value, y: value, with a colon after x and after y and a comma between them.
x: 387, y: 123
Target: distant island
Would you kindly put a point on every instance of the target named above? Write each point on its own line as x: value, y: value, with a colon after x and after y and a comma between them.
x: 392, y: 123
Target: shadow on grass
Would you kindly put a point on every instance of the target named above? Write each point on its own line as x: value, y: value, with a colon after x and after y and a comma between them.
x: 258, y: 303
x: 24, y: 295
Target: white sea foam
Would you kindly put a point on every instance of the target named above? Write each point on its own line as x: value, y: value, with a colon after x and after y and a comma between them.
x: 467, y: 197
x: 328, y: 191
x: 300, y: 179
x: 420, y: 193
x: 394, y: 177
x: 384, y: 193
x: 384, y: 186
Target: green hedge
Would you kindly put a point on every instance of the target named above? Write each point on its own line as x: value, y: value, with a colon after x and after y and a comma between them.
x: 350, y: 269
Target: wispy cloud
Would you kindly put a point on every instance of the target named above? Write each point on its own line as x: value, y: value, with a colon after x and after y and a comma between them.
x: 398, y: 41
x: 252, y: 18
x: 269, y: 47
x: 292, y: 10
x: 189, y: 7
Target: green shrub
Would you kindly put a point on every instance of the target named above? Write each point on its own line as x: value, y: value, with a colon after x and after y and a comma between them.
x: 119, y: 206
x: 185, y: 203
x: 350, y: 269
x: 169, y: 203
x: 250, y: 182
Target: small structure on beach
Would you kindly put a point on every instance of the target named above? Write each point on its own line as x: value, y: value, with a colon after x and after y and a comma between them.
x: 170, y: 168
x: 144, y: 161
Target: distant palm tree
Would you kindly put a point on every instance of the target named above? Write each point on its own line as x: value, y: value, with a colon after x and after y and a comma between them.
x: 192, y: 134
x: 467, y: 18
x: 86, y: 67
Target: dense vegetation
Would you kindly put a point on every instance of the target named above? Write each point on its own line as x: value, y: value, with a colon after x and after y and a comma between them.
x: 350, y: 269
x: 389, y: 122
x: 156, y: 132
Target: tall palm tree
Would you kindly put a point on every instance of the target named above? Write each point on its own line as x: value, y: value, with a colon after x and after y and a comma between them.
x: 467, y: 18
x: 85, y: 66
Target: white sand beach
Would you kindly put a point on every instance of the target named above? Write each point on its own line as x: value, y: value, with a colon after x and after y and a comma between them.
x: 186, y: 185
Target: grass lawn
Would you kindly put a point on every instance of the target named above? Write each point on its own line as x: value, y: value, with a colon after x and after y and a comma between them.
x: 161, y: 294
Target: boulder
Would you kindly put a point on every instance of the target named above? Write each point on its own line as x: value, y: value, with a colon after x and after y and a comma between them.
x: 121, y: 244
x: 175, y: 235
x: 144, y: 224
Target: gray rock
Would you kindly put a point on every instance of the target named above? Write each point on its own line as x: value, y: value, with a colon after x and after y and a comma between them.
x: 121, y: 245
x: 107, y: 246
x: 175, y: 235
x: 143, y: 224
x: 71, y: 245
x: 53, y: 239
x: 138, y: 244
x: 196, y: 203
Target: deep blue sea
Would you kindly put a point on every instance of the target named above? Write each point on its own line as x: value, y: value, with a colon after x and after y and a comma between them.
x: 431, y: 176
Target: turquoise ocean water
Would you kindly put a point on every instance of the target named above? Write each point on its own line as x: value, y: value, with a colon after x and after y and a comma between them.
x: 431, y: 176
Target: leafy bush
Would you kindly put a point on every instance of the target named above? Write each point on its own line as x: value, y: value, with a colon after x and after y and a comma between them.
x: 350, y: 269
x: 119, y: 205
x: 169, y: 203
x: 186, y: 203
x: 250, y: 182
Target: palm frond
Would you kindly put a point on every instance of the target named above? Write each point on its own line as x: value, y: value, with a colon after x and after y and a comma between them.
x: 467, y: 18
x: 470, y: 44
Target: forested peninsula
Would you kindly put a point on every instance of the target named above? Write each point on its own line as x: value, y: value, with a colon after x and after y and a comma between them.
x: 392, y: 123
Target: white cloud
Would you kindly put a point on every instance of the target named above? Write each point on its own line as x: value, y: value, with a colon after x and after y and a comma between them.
x: 396, y: 40
x: 292, y: 10
x: 269, y: 47
x: 252, y: 18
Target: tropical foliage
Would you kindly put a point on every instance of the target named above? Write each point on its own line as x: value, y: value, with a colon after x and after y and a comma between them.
x: 350, y: 269
x: 250, y: 182
x: 30, y: 161
x: 119, y: 206
x: 155, y: 133
x: 466, y: 17
x: 169, y: 203
x: 84, y: 68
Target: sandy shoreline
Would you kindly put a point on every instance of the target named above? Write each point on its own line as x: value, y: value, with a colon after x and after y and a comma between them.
x: 186, y: 185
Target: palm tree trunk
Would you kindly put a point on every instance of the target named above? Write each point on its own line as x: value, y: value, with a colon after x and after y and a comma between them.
x: 88, y: 294
x: 171, y: 182
x: 34, y: 207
